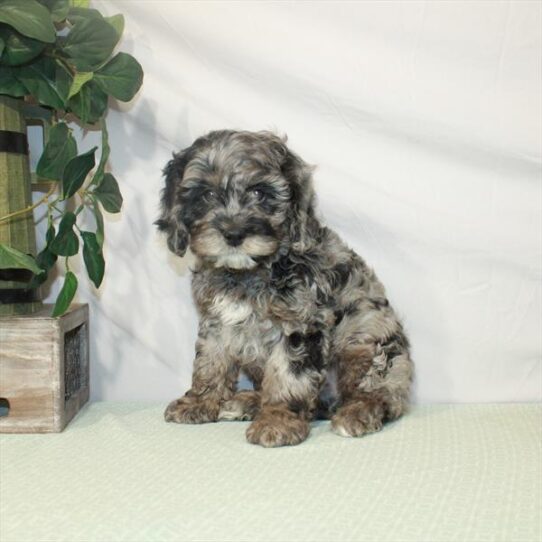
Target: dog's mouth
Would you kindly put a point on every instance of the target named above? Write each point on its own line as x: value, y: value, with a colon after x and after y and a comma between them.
x: 235, y: 260
x: 210, y: 245
x: 248, y: 254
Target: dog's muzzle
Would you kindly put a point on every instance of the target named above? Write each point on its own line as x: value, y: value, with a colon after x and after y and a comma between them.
x: 234, y: 237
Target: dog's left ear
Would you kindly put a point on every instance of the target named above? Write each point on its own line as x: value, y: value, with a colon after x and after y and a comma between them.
x: 170, y: 221
x: 303, y: 224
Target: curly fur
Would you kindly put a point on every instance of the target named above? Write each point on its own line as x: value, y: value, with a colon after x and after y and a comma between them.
x: 281, y: 298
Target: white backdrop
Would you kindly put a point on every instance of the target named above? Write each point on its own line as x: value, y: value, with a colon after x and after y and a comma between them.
x: 424, y: 119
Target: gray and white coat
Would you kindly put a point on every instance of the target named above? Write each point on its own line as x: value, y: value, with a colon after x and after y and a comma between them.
x: 280, y: 297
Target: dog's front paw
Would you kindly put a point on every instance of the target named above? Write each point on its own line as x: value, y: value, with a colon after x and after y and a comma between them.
x: 357, y: 419
x: 277, y: 426
x: 190, y: 410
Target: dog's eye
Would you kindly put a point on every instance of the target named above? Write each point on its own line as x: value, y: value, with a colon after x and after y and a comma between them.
x: 258, y: 194
x: 209, y: 195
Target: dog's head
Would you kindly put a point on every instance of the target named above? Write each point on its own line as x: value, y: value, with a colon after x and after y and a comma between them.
x: 237, y: 198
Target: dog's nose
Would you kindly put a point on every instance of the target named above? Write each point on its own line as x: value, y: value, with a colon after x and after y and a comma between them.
x: 234, y: 237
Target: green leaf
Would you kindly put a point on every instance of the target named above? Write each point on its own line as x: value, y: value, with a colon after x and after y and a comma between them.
x: 45, y: 259
x: 99, y: 175
x: 78, y: 81
x: 11, y: 258
x: 18, y: 48
x: 90, y: 43
x: 40, y: 78
x: 2, y: 45
x: 79, y: 3
x: 99, y: 223
x: 9, y: 84
x: 121, y: 77
x: 66, y: 242
x: 29, y: 18
x: 66, y: 294
x: 89, y: 104
x: 60, y: 149
x: 58, y: 8
x: 77, y: 14
x: 64, y: 80
x: 76, y: 171
x: 93, y: 257
x: 108, y: 194
x: 117, y: 22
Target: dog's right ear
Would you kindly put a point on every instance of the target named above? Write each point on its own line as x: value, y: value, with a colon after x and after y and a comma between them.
x: 170, y: 221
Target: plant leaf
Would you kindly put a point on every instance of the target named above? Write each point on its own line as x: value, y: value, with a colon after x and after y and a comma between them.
x: 79, y: 3
x: 66, y: 242
x: 90, y: 43
x: 29, y: 18
x: 18, y: 48
x: 121, y: 77
x: 77, y: 14
x: 99, y: 175
x: 40, y: 78
x: 78, y: 81
x: 89, y: 104
x: 117, y: 22
x: 45, y: 259
x: 66, y: 294
x: 108, y: 194
x: 9, y: 84
x: 2, y: 45
x: 64, y: 80
x: 58, y: 8
x: 99, y: 223
x: 93, y: 257
x: 76, y: 171
x: 60, y: 149
x: 50, y: 234
x: 11, y: 258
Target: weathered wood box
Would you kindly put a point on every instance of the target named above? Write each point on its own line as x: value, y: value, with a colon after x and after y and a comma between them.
x: 44, y: 370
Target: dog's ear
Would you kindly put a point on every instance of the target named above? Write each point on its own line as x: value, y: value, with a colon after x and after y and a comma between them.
x: 303, y: 226
x: 170, y: 221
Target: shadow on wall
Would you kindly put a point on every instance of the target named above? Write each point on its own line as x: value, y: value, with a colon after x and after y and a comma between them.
x: 145, y: 314
x: 116, y: 322
x: 134, y: 135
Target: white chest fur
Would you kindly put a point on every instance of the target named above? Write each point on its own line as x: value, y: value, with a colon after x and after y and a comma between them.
x: 231, y: 312
x: 245, y: 334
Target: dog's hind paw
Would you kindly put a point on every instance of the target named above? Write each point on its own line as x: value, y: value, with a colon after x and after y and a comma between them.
x: 356, y: 420
x: 244, y: 405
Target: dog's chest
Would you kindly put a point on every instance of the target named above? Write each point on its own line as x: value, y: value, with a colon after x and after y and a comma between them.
x: 246, y: 333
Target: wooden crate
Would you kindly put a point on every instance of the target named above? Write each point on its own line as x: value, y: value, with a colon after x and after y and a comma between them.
x: 44, y: 369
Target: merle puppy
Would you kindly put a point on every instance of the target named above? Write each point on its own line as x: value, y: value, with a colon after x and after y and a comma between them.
x: 281, y: 298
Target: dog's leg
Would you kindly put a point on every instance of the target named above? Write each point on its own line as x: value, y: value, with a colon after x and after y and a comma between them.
x: 243, y: 406
x: 214, y: 380
x: 373, y: 383
x: 288, y: 397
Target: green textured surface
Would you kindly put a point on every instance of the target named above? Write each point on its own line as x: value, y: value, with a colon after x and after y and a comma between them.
x: 119, y: 473
x: 15, y: 194
x: 15, y: 182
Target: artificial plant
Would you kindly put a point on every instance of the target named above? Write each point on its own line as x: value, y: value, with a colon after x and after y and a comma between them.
x: 59, y: 54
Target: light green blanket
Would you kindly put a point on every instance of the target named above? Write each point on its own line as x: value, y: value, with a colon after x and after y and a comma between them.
x: 119, y: 473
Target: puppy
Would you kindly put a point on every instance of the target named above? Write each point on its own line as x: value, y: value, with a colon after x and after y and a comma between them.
x: 281, y: 298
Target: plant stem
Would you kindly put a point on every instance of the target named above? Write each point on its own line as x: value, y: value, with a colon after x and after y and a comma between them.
x: 31, y: 207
